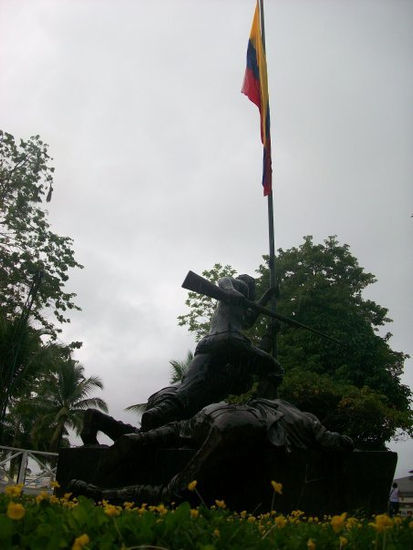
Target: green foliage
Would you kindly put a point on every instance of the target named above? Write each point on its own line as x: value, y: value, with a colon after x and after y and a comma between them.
x: 179, y: 368
x: 367, y: 416
x: 50, y: 402
x: 21, y: 356
x: 61, y: 397
x: 34, y: 266
x: 201, y: 307
x: 28, y: 247
x: 51, y: 523
x: 178, y: 371
x: 355, y: 387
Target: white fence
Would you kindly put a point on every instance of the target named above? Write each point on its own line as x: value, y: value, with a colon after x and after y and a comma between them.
x: 33, y: 469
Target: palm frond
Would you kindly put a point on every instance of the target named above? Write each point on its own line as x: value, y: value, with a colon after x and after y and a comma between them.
x: 139, y: 408
x: 180, y: 368
x: 91, y: 402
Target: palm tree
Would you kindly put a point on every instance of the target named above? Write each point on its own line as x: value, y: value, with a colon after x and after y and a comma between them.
x: 24, y: 360
x: 62, y: 399
x: 179, y: 368
x: 177, y: 373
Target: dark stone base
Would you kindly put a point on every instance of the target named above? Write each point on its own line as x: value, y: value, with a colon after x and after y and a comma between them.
x: 314, y: 482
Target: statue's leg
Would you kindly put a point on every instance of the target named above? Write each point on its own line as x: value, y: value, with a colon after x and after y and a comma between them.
x: 124, y: 448
x: 95, y: 421
x: 131, y: 444
x: 168, y: 410
x: 195, y: 392
x: 230, y: 428
x: 218, y: 434
x: 151, y: 494
x: 269, y: 371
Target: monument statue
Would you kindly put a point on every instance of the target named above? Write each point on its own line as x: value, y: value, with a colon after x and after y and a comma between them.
x: 187, y: 432
x: 214, y: 433
x: 224, y: 363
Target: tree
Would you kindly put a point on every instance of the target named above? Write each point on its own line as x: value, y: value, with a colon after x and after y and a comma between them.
x: 178, y: 370
x: 321, y: 285
x: 61, y: 399
x: 201, y: 307
x: 21, y: 354
x: 34, y: 266
x: 30, y: 253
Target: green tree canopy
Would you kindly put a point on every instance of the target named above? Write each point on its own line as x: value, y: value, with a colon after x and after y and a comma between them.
x: 56, y: 402
x: 354, y: 387
x: 34, y: 261
x: 34, y: 267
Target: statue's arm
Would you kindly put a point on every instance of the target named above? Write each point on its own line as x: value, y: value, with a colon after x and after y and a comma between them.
x: 330, y: 440
x: 266, y: 297
x: 234, y: 296
x: 251, y: 314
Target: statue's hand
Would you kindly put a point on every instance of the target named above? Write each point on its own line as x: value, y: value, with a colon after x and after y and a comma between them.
x: 234, y: 297
x: 78, y: 487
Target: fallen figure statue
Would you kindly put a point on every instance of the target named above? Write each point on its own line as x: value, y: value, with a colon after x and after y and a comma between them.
x: 218, y: 432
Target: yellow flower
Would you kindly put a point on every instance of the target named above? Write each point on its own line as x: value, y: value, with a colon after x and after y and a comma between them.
x: 352, y: 522
x: 42, y: 496
x: 216, y: 533
x: 280, y: 521
x: 343, y: 541
x: 80, y: 542
x: 311, y: 544
x: 13, y: 490
x: 111, y: 510
x: 220, y: 503
x: 161, y: 509
x: 243, y: 514
x: 383, y: 522
x: 66, y: 496
x: 54, y: 484
x: 192, y: 485
x: 15, y: 510
x: 410, y: 524
x: 128, y: 505
x: 278, y: 487
x: 251, y: 519
x: 194, y: 513
x: 338, y: 522
x: 68, y: 504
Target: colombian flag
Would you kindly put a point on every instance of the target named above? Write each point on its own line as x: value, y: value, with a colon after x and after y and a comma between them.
x: 256, y: 88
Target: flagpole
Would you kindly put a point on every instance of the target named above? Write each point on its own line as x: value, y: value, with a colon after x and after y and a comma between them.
x: 271, y: 263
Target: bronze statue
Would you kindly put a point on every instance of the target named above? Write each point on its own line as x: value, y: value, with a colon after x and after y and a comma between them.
x: 225, y: 360
x: 216, y: 432
x: 224, y: 363
x: 188, y: 433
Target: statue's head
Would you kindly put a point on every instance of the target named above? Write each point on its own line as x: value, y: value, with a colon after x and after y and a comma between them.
x: 250, y: 284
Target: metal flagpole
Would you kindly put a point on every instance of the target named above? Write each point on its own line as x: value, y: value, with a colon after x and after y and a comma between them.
x: 273, y: 276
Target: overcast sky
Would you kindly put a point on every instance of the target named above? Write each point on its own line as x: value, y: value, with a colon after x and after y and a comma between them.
x: 158, y: 157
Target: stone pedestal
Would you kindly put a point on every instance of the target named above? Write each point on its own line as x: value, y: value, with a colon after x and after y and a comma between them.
x: 316, y: 482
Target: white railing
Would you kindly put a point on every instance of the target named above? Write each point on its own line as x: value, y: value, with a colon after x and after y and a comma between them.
x: 22, y: 475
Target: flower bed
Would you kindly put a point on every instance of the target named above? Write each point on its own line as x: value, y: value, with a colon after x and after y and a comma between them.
x: 46, y: 522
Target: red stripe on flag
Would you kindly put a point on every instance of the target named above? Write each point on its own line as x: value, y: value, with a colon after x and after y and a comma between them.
x: 251, y: 87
